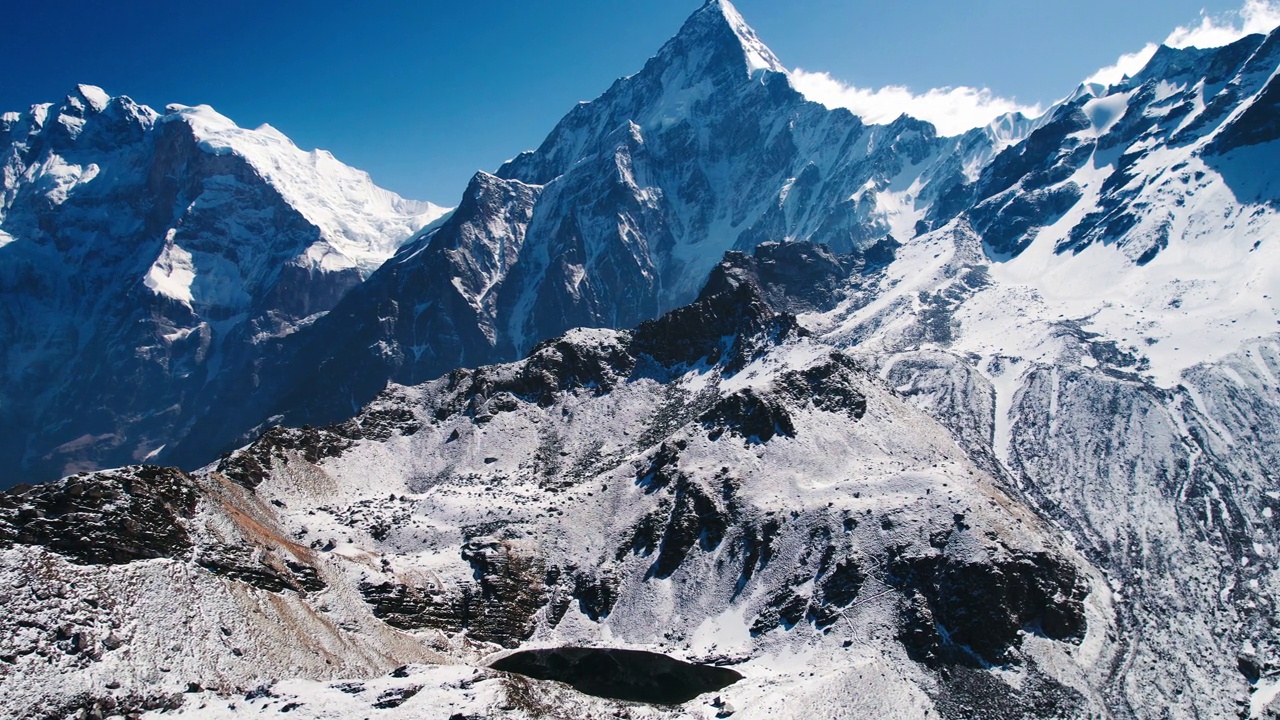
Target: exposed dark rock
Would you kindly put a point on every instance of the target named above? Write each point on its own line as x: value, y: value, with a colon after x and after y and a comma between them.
x: 554, y: 367
x: 106, y: 706
x: 395, y: 697
x: 756, y: 417
x: 965, y: 693
x: 1008, y: 223
x: 829, y: 386
x: 107, y: 518
x: 784, y: 609
x: 838, y: 589
x: 757, y: 548
x: 252, y: 465
x: 1259, y: 123
x: 800, y: 277
x: 695, y: 519
x: 976, y: 611
x: 498, y: 606
x: 412, y: 608
x: 595, y: 595
x: 262, y: 568
x: 663, y: 468
x: 726, y: 324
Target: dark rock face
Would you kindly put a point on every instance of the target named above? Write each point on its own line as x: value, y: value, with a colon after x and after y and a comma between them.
x: 966, y: 692
x: 1256, y: 125
x: 104, y: 519
x: 828, y: 386
x: 395, y: 697
x: 805, y: 276
x: 251, y: 466
x: 729, y: 322
x: 497, y: 607
x: 139, y: 513
x: 107, y: 706
x: 1008, y: 224
x: 263, y: 568
x: 437, y: 288
x: 553, y: 367
x: 103, y: 354
x: 696, y: 519
x: 388, y: 416
x: 630, y: 675
x: 965, y: 612
x: 749, y: 415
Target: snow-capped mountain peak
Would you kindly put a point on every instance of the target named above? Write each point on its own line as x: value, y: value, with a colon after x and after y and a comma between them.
x: 713, y: 17
x: 361, y: 224
x: 172, y: 245
x: 96, y: 97
x: 1084, y: 302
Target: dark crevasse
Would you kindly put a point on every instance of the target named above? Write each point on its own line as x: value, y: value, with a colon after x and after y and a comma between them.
x: 632, y: 675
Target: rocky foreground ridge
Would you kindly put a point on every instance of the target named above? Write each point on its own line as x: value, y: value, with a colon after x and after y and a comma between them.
x: 762, y: 502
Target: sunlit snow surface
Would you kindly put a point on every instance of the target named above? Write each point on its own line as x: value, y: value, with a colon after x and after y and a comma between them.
x: 895, y: 472
x: 361, y: 223
x: 1110, y: 399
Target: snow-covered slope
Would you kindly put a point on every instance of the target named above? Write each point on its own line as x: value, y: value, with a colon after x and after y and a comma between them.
x: 143, y: 258
x: 1084, y: 301
x: 759, y: 500
x: 360, y: 224
x: 1101, y: 326
x: 626, y: 207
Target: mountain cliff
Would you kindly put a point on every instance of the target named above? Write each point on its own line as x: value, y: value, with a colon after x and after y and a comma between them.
x: 980, y: 426
x: 144, y: 257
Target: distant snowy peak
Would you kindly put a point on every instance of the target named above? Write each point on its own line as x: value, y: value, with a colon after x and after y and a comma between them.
x: 173, y: 245
x: 714, y: 55
x: 361, y: 223
x: 86, y: 120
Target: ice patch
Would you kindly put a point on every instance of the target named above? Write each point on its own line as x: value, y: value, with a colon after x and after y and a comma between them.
x: 172, y: 274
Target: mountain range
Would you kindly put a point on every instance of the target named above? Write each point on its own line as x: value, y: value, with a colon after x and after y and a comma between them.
x: 889, y: 423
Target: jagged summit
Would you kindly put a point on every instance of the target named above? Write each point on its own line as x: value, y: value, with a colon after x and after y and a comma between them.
x: 711, y: 20
x: 1085, y: 301
x: 169, y: 246
x: 94, y: 95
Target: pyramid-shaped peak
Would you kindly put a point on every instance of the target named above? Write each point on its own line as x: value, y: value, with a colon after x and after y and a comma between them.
x: 96, y: 97
x: 719, y: 21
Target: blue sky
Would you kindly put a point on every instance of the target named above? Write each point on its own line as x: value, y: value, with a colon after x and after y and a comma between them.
x: 422, y: 94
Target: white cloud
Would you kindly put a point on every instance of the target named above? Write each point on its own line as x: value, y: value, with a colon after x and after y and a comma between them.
x: 1128, y: 64
x: 953, y: 110
x: 1255, y: 16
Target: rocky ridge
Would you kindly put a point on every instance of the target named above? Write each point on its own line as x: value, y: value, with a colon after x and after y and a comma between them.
x: 731, y: 515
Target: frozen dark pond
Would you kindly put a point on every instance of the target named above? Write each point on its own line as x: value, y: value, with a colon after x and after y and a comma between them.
x: 632, y: 675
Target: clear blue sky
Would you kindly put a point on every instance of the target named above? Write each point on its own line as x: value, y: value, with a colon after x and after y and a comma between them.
x: 423, y: 93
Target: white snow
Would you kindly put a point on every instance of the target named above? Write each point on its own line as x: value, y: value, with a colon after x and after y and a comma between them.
x: 97, y: 98
x: 1263, y: 695
x: 759, y: 56
x: 360, y: 222
x: 172, y: 274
